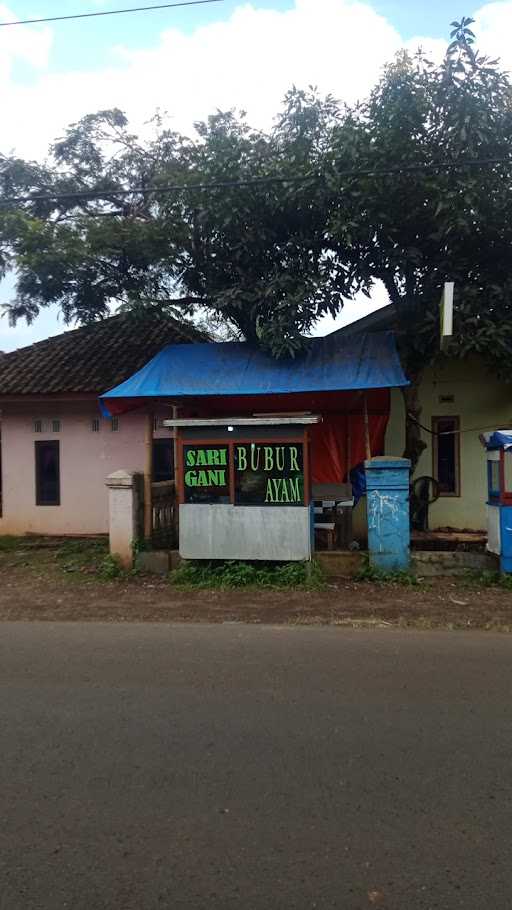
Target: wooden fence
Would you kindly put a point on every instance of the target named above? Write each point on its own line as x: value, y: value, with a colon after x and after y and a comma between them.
x: 165, y: 515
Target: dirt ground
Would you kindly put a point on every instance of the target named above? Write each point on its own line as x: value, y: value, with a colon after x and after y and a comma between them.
x: 68, y: 580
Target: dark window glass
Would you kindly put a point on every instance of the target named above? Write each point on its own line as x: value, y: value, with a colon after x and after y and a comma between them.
x: 507, y: 470
x: 269, y: 475
x: 47, y: 474
x: 163, y: 460
x: 206, y: 474
x: 494, y: 478
x: 446, y: 454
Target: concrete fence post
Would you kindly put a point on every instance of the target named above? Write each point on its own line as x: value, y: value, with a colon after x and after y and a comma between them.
x: 124, y: 507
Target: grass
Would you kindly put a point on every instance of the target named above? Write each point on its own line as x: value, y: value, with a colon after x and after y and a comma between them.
x: 79, y: 558
x: 489, y: 579
x: 9, y: 544
x: 90, y: 557
x: 234, y: 574
x: 378, y: 576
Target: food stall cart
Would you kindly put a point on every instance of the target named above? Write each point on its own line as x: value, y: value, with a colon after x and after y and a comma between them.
x: 244, y: 487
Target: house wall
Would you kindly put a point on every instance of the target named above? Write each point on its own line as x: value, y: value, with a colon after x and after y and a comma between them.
x: 480, y: 401
x: 86, y: 459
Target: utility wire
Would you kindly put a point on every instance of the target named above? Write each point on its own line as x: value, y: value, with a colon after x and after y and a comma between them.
x: 112, y: 12
x: 253, y: 181
x: 458, y: 432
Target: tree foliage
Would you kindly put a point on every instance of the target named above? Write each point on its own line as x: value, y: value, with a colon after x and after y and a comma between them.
x: 416, y: 229
x: 288, y: 231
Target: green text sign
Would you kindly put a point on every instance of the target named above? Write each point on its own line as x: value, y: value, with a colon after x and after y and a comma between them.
x: 270, y: 474
x: 206, y: 473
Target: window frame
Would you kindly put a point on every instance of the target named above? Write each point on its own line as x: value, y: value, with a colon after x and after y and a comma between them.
x: 455, y: 494
x: 38, y: 445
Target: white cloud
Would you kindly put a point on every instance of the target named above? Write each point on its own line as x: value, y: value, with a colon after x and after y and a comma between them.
x: 248, y: 61
x: 20, y: 44
x: 493, y: 29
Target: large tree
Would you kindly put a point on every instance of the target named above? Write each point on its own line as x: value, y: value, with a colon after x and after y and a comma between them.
x: 245, y: 244
x: 439, y: 204
x: 265, y: 232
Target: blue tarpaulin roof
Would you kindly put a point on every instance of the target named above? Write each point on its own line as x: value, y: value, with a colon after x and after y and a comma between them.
x: 499, y: 439
x: 334, y: 363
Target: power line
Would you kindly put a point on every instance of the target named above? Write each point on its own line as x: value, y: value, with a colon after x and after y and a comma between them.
x: 254, y: 181
x: 112, y: 12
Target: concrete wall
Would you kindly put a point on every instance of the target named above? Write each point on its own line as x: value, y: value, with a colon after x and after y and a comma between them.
x: 86, y: 459
x: 479, y: 400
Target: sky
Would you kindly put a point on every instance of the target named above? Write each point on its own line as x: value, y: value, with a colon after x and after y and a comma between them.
x: 191, y: 61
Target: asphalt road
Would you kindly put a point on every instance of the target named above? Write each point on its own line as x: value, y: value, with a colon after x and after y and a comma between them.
x: 155, y: 766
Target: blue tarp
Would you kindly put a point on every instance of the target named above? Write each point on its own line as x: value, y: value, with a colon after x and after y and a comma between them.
x: 334, y: 363
x: 499, y: 439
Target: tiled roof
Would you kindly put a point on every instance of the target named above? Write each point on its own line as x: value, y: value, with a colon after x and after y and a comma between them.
x: 93, y: 358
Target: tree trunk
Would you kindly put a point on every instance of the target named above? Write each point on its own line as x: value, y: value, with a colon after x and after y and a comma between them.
x: 414, y: 444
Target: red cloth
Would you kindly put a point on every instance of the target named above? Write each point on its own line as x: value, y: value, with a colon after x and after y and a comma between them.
x: 337, y: 444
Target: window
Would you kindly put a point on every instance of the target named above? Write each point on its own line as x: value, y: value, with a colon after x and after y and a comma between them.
x: 163, y: 460
x: 38, y: 426
x: 55, y: 426
x: 507, y: 471
x: 446, y: 454
x: 95, y: 425
x: 114, y: 424
x: 47, y: 473
x: 493, y: 476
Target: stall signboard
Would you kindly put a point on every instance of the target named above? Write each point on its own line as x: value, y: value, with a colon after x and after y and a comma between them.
x: 206, y: 473
x: 269, y: 474
x: 264, y: 474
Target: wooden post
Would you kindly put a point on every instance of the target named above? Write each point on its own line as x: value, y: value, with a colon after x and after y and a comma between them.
x: 175, y: 414
x: 349, y: 446
x: 366, y: 427
x: 148, y: 478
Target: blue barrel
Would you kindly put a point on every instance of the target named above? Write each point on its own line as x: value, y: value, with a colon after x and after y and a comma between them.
x: 387, y: 502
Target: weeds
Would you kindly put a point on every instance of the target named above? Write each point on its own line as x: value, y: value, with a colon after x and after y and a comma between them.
x: 378, y: 576
x: 81, y: 556
x: 233, y: 574
x: 109, y: 568
x: 490, y: 579
x: 9, y: 543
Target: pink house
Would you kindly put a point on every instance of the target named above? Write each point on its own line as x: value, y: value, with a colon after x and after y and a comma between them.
x: 56, y: 447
